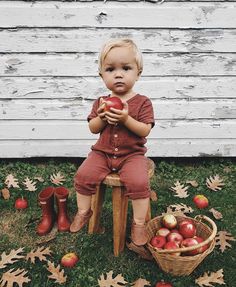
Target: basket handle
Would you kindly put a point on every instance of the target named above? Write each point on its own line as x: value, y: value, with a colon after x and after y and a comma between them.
x: 190, y: 248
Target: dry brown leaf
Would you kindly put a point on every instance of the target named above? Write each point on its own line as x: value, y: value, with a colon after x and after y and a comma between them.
x: 214, y: 183
x: 11, y: 181
x: 118, y: 281
x: 178, y: 209
x: 29, y: 184
x: 57, y: 179
x: 194, y: 183
x: 5, y: 193
x: 39, y: 253
x: 213, y: 277
x: 11, y: 258
x: 56, y: 274
x: 39, y: 178
x: 180, y: 190
x: 216, y: 213
x: 221, y: 239
x: 153, y: 195
x: 141, y: 283
x: 14, y: 276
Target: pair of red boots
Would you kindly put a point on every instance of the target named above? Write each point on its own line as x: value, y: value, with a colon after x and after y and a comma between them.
x: 46, y: 200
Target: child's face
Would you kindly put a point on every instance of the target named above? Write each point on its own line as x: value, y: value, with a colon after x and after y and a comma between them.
x: 120, y: 71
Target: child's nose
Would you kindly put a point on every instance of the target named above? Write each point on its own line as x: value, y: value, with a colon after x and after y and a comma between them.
x: 118, y: 74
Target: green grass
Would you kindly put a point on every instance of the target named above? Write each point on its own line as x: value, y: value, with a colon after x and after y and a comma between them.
x: 17, y: 228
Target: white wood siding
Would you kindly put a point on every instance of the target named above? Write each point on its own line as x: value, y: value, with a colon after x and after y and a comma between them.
x: 48, y: 74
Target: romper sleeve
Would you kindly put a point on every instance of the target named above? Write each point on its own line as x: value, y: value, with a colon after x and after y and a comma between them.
x: 93, y: 113
x: 146, y: 113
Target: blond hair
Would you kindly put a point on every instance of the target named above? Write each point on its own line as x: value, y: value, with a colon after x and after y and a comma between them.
x: 121, y: 43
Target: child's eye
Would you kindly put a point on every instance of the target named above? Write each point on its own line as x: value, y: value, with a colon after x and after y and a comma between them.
x: 126, y: 68
x: 109, y: 69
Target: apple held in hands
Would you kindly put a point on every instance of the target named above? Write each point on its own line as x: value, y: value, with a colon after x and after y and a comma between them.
x: 158, y: 241
x: 69, y: 260
x: 169, y: 221
x: 21, y: 203
x: 201, y: 201
x: 113, y: 102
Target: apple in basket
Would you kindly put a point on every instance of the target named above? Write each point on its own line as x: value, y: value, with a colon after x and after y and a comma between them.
x: 113, y: 102
x: 163, y: 231
x: 187, y: 229
x: 200, y: 201
x: 172, y: 245
x: 204, y: 247
x: 187, y: 242
x: 169, y: 221
x: 158, y: 241
x: 163, y: 284
x: 175, y: 236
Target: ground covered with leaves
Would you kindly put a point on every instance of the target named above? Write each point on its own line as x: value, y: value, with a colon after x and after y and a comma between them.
x: 31, y: 260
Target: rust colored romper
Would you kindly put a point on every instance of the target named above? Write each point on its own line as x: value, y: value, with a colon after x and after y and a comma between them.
x: 118, y: 150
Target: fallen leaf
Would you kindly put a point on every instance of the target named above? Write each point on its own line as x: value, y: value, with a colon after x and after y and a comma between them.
x: 56, y: 274
x: 213, y: 277
x: 153, y: 195
x: 11, y: 258
x: 29, y: 184
x: 14, y: 276
x: 216, y: 214
x: 192, y: 182
x: 221, y: 239
x: 39, y: 253
x: 180, y: 190
x: 111, y: 282
x: 57, y: 179
x: 214, y: 183
x: 11, y: 181
x: 141, y: 283
x: 5, y: 193
x: 178, y: 209
x: 39, y: 178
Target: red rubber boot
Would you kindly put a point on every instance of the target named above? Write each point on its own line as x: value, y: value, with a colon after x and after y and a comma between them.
x: 46, y: 200
x: 63, y: 222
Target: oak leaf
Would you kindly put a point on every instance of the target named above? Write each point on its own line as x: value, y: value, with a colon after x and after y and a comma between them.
x: 194, y: 183
x: 213, y: 277
x: 29, y: 184
x: 14, y: 276
x: 111, y: 282
x: 178, y: 209
x: 39, y: 253
x: 141, y: 283
x: 11, y: 258
x: 214, y: 183
x: 216, y: 213
x: 5, y: 193
x: 57, y: 179
x: 39, y: 178
x: 180, y: 190
x: 221, y: 239
x: 56, y: 274
x: 11, y: 181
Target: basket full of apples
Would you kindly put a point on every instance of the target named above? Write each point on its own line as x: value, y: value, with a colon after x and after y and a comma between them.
x: 180, y: 243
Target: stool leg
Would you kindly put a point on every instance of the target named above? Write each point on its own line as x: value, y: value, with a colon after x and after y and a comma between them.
x: 96, y: 206
x: 120, y: 205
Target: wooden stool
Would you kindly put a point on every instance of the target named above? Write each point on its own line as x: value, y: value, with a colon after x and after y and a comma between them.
x: 119, y: 205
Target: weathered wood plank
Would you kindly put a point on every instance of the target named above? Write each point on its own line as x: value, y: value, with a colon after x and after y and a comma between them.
x: 81, y: 148
x: 89, y: 88
x: 115, y: 14
x: 91, y: 40
x: 77, y: 109
x: 78, y: 130
x: 162, y: 64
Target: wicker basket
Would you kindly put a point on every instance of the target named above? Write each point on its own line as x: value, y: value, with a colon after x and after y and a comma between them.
x: 182, y: 265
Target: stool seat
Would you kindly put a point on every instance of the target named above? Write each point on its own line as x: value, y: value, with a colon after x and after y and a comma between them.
x: 119, y: 205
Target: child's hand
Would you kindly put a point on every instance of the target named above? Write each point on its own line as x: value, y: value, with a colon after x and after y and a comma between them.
x: 100, y: 110
x: 117, y: 116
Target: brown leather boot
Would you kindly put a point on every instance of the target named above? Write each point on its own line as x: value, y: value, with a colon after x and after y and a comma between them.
x: 63, y: 222
x: 46, y: 200
x: 139, y: 234
x: 80, y: 220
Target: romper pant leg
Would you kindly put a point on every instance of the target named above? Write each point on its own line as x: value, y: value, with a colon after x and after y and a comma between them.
x: 134, y: 175
x: 91, y: 173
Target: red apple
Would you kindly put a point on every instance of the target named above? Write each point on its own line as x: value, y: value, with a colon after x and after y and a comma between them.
x: 21, y: 203
x: 172, y: 245
x: 200, y: 201
x: 176, y: 237
x: 158, y: 241
x: 204, y: 247
x: 163, y: 231
x: 113, y: 102
x: 169, y: 221
x: 189, y: 242
x: 186, y: 220
x: 187, y: 230
x: 163, y: 284
x: 69, y: 260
